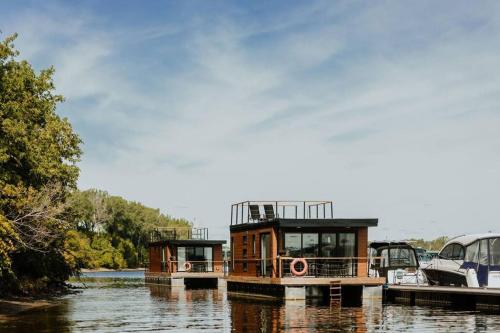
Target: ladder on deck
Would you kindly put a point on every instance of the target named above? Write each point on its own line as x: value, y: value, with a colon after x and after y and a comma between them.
x: 335, y: 292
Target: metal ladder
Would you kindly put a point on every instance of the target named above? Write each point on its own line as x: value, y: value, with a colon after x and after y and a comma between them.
x: 335, y: 292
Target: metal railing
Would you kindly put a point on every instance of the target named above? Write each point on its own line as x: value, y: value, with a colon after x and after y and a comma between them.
x: 178, y: 233
x: 319, y: 267
x: 201, y: 266
x: 261, y: 211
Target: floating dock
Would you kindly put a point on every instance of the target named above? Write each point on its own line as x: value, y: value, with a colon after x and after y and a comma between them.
x: 460, y: 297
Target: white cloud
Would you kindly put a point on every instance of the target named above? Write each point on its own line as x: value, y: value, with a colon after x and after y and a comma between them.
x: 390, y: 111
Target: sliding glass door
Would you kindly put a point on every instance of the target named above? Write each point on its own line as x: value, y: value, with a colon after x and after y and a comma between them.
x: 200, y: 258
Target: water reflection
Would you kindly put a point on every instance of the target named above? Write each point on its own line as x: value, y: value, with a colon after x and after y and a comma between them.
x: 127, y: 305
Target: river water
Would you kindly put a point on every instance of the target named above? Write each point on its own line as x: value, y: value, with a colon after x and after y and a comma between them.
x: 121, y: 302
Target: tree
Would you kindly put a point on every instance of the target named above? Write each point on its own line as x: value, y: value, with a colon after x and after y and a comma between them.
x: 38, y: 155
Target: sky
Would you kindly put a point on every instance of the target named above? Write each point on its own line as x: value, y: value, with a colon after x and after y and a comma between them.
x: 391, y: 109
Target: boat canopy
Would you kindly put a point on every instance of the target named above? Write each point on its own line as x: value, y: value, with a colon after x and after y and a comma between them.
x: 469, y: 239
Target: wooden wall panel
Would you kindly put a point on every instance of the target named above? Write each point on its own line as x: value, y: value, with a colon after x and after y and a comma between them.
x: 362, y: 251
x: 252, y: 259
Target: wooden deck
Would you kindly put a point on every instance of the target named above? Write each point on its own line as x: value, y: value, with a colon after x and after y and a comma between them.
x: 307, y: 281
x: 193, y: 275
x: 462, y: 297
x: 448, y: 290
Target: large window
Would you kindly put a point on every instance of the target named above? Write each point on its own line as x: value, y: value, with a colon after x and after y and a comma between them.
x: 293, y: 244
x: 328, y: 244
x: 309, y: 244
x: 347, y: 245
x: 200, y: 258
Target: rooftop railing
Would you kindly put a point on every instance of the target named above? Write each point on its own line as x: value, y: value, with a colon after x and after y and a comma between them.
x: 262, y: 211
x: 178, y: 233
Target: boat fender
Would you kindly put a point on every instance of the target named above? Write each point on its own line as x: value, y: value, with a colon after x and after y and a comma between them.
x: 187, y: 266
x: 294, y: 270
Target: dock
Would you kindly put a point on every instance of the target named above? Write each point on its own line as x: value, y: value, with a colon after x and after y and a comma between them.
x: 460, y: 297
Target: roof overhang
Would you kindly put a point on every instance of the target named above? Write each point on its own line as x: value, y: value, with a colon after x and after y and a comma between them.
x: 307, y: 223
x: 187, y: 242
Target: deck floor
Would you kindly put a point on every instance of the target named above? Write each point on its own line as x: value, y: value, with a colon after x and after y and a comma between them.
x: 450, y: 290
x: 178, y: 275
x: 307, y: 281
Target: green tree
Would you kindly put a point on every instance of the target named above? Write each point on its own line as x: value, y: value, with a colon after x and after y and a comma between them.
x: 38, y: 155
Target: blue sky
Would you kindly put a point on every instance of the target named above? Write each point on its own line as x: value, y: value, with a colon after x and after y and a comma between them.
x: 390, y: 109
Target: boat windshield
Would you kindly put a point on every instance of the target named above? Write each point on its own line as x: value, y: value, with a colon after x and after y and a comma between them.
x: 402, y: 257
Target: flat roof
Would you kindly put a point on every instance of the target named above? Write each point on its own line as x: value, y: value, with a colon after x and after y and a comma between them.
x: 307, y: 223
x: 189, y: 242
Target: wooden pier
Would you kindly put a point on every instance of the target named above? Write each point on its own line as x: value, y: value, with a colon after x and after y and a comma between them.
x: 460, y: 297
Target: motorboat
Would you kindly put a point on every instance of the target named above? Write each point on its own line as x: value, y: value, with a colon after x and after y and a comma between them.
x: 397, y: 261
x: 469, y: 261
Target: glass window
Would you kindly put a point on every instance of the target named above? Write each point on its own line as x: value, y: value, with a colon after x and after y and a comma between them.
x: 181, y: 258
x: 447, y: 252
x: 328, y: 245
x: 209, y: 258
x: 458, y: 252
x: 310, y: 245
x: 293, y: 244
x: 472, y: 253
x: 495, y: 251
x: 347, y: 245
x: 232, y: 253
x: 385, y: 258
x: 401, y: 256
x: 253, y: 245
x: 483, y: 252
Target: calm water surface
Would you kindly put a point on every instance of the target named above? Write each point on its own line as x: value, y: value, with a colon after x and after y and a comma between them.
x: 121, y: 302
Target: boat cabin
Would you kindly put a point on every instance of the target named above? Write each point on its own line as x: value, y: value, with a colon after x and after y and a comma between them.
x: 397, y: 261
x: 185, y: 252
x: 280, y: 239
x: 469, y: 260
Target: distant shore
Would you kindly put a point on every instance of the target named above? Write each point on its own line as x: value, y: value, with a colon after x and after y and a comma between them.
x: 97, y: 270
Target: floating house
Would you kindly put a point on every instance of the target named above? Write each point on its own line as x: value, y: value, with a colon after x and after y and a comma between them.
x: 185, y: 257
x: 297, y: 249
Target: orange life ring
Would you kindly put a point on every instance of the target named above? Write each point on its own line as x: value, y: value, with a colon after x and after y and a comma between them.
x: 295, y: 262
x: 187, y: 266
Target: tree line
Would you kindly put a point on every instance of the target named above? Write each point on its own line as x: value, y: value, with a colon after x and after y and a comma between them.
x: 111, y: 232
x: 48, y: 228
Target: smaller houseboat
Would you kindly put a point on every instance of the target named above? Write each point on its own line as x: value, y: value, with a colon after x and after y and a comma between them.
x: 470, y: 260
x: 185, y: 256
x: 396, y: 261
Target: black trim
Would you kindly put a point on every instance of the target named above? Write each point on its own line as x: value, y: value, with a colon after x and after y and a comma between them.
x: 305, y: 223
x: 181, y: 242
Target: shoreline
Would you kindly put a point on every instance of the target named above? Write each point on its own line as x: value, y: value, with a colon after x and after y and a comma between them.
x: 10, y: 307
x: 98, y: 270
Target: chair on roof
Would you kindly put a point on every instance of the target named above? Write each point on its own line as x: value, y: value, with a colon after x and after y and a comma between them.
x: 254, y: 212
x: 269, y: 211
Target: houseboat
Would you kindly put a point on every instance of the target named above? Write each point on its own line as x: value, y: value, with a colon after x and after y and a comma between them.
x: 294, y: 249
x: 469, y: 260
x: 185, y: 257
x: 397, y: 261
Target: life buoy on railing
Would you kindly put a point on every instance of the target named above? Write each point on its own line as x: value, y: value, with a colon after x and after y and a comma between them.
x: 294, y: 270
x: 187, y: 266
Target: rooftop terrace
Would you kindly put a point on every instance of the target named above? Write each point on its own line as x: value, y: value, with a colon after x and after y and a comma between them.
x: 178, y: 233
x: 263, y: 211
